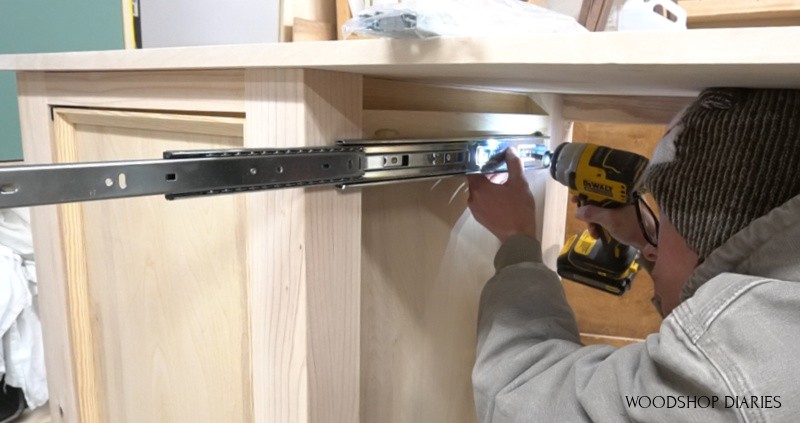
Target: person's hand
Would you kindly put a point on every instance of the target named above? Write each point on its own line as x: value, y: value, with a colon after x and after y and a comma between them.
x: 507, y: 208
x: 622, y: 223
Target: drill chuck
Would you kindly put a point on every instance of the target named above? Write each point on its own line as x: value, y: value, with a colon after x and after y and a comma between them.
x: 564, y: 161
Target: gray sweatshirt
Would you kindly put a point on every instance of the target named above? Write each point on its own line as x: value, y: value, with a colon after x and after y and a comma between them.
x: 729, y: 352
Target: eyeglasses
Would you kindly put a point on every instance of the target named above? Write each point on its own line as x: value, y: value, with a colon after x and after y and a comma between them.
x: 649, y: 229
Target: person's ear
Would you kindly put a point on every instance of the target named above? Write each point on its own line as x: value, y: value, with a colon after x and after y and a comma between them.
x: 650, y: 253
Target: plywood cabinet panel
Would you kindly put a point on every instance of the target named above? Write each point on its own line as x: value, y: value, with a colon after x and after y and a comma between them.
x: 424, y: 263
x: 294, y: 305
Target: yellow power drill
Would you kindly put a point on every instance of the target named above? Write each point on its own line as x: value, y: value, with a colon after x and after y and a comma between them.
x: 603, y: 177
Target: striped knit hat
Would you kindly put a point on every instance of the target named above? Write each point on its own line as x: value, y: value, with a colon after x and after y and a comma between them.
x: 729, y: 158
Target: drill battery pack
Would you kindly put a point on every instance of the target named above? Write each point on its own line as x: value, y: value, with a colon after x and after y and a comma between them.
x: 584, y: 259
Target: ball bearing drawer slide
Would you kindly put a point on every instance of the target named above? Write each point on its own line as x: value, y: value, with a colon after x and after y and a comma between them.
x: 181, y: 174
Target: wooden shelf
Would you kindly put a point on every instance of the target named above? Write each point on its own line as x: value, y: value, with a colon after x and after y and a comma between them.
x: 741, y: 13
x: 621, y: 63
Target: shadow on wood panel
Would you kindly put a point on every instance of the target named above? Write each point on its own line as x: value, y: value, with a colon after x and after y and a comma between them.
x: 424, y: 263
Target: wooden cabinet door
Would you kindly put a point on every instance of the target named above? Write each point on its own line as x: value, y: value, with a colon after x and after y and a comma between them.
x: 232, y: 308
x: 157, y: 288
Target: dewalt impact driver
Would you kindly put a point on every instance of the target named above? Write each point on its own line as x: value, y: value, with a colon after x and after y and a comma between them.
x: 604, y: 177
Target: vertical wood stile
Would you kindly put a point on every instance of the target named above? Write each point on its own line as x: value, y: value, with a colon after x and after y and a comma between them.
x: 79, y: 301
x: 304, y: 254
x: 551, y: 226
x: 54, y: 310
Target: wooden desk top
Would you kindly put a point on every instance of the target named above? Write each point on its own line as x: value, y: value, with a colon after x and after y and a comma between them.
x: 621, y: 63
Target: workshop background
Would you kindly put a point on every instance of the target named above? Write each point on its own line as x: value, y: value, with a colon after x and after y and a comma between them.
x: 31, y: 26
x: 39, y: 26
x: 42, y: 26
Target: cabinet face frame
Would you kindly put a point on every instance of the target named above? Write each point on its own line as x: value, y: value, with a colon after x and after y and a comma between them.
x: 303, y: 376
x: 288, y: 107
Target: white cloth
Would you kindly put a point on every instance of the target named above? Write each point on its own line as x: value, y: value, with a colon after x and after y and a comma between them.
x: 15, y: 231
x: 22, y: 352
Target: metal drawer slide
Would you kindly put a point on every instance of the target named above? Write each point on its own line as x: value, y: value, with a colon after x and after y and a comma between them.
x: 210, y: 172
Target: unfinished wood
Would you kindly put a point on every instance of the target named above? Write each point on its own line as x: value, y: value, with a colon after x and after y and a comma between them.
x: 39, y: 415
x: 554, y: 205
x: 739, y: 22
x: 384, y: 94
x: 201, y: 91
x: 47, y: 240
x: 386, y: 124
x: 615, y: 341
x: 425, y: 261
x: 594, y: 14
x: 129, y: 37
x: 157, y: 289
x: 741, y: 13
x: 304, y: 255
x: 623, y: 109
x: 620, y: 63
x: 78, y: 297
x: 342, y: 15
x: 631, y: 315
x: 540, y: 3
x: 583, y: 15
x: 313, y: 10
x: 170, y: 122
x: 308, y: 30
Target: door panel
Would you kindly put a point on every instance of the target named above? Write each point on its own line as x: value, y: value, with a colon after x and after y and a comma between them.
x: 160, y: 309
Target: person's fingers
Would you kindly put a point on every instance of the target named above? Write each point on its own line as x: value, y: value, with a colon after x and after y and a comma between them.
x: 586, y: 213
x: 595, y: 216
x: 477, y: 182
x: 498, y: 178
x: 594, y: 231
x: 516, y: 169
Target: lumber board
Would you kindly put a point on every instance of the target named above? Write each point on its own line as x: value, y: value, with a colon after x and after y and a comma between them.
x: 621, y: 63
x: 54, y: 310
x: 304, y: 255
x: 741, y: 13
x: 623, y: 109
x: 197, y: 91
x: 309, y: 30
x: 388, y: 124
x: 384, y: 94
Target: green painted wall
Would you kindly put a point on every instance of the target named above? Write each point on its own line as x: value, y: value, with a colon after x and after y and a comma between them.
x: 38, y: 26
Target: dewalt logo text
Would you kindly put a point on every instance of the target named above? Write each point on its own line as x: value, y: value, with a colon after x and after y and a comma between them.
x: 597, y: 188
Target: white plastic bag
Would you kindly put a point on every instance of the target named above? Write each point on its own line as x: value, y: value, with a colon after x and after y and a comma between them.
x: 643, y: 15
x: 430, y: 18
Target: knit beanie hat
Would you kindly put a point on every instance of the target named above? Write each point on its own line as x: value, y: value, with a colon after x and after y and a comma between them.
x: 732, y: 156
